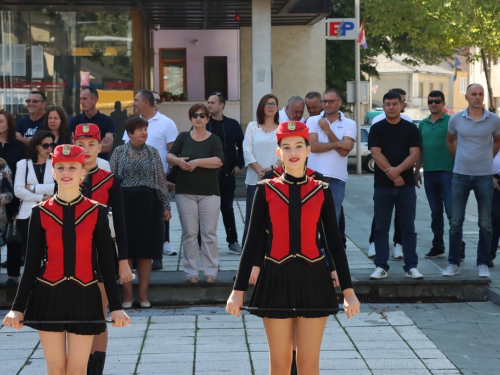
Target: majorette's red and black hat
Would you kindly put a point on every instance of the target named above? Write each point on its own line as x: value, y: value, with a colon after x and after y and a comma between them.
x: 68, y: 154
x: 87, y: 131
x: 292, y: 129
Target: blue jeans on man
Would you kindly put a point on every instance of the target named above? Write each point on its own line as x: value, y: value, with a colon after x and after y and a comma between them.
x: 495, y: 221
x: 483, y: 190
x: 438, y: 191
x: 337, y: 188
x: 405, y: 200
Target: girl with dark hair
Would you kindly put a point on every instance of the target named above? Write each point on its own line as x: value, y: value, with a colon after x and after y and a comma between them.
x: 295, y: 286
x: 56, y: 121
x: 199, y: 157
x: 11, y: 150
x: 34, y: 182
x: 259, y: 148
x: 59, y: 285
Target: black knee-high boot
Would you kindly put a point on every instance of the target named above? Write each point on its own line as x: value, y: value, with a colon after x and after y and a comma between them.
x: 90, y: 364
x: 97, y: 362
x: 293, y: 370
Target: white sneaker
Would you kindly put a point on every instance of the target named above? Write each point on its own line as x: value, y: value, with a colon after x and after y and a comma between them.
x: 451, y: 270
x: 398, y: 251
x: 168, y: 249
x: 371, y: 250
x: 378, y: 274
x: 413, y: 273
x: 482, y: 270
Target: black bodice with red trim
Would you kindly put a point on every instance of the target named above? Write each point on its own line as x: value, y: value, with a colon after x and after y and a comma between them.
x: 104, y: 187
x: 293, y: 209
x: 64, y: 235
x: 301, y: 202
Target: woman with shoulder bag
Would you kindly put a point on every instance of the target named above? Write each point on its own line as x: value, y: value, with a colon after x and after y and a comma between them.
x: 11, y: 150
x: 34, y: 181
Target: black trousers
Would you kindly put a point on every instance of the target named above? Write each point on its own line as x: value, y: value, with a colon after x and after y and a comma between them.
x: 16, y: 251
x: 227, y: 185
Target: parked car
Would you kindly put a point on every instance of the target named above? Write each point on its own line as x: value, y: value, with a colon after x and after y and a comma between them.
x: 366, y: 156
x: 370, y: 115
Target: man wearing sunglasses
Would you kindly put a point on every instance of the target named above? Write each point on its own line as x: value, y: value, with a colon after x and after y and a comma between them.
x: 28, y: 125
x: 438, y: 170
x: 231, y: 135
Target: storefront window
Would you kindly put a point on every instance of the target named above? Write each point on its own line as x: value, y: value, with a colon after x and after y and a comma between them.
x: 58, y: 52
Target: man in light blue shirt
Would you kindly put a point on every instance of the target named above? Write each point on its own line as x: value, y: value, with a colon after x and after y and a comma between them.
x: 477, y: 135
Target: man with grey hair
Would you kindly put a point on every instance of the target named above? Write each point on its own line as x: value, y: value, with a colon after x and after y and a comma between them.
x: 473, y: 139
x: 293, y: 111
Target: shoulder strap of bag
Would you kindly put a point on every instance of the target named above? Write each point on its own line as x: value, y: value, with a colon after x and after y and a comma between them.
x: 183, y: 141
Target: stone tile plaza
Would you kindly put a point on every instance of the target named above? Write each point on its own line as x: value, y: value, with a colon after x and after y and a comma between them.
x: 384, y: 339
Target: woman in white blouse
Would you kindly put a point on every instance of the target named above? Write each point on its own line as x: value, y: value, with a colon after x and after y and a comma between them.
x: 259, y: 148
x: 34, y: 181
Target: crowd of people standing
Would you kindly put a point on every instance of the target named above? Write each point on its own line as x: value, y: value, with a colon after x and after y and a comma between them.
x: 134, y: 182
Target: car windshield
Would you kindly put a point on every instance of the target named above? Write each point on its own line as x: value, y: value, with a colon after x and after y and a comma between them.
x: 364, y: 135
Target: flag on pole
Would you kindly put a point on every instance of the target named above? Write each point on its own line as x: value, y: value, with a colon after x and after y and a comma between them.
x: 455, y: 69
x: 361, y: 36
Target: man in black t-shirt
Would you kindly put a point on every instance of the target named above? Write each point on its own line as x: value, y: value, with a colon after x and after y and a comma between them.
x: 231, y: 135
x: 395, y: 147
x: 28, y: 125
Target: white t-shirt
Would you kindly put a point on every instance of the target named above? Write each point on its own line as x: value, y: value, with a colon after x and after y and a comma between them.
x: 382, y: 116
x: 260, y: 147
x: 284, y: 116
x: 161, y: 130
x: 496, y: 163
x: 331, y: 163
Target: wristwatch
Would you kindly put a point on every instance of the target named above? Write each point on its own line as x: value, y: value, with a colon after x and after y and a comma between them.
x: 32, y: 188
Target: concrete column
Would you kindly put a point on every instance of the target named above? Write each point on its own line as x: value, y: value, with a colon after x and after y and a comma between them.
x: 261, y: 51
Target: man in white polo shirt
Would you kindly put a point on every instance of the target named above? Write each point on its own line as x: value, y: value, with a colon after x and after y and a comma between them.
x: 293, y: 111
x: 331, y: 137
x: 162, y: 133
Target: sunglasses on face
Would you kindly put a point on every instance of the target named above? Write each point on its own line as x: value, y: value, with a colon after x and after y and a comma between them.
x: 434, y: 101
x: 34, y: 101
x: 45, y: 146
x: 200, y: 115
x: 157, y: 100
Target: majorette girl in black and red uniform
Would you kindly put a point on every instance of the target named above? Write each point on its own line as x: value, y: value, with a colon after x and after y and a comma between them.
x: 103, y: 187
x: 59, y: 281
x: 294, y: 274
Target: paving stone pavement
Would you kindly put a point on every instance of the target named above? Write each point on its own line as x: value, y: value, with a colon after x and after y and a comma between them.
x: 205, y: 340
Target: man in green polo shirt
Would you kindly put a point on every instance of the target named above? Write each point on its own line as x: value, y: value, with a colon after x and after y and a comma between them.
x: 438, y: 169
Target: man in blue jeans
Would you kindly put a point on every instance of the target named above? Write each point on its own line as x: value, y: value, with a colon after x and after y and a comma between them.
x: 477, y: 134
x: 438, y: 170
x: 395, y: 147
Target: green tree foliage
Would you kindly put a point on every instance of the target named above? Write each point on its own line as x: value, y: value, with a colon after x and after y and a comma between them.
x: 430, y: 30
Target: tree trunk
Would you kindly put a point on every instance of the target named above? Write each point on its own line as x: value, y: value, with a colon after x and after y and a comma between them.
x: 487, y: 73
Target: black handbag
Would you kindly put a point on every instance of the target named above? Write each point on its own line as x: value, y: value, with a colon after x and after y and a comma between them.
x: 171, y: 175
x: 12, y: 234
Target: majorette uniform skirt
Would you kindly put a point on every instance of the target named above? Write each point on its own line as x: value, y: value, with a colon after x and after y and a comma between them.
x: 295, y: 284
x: 144, y: 222
x: 66, y: 301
